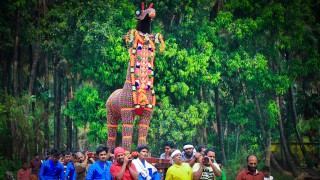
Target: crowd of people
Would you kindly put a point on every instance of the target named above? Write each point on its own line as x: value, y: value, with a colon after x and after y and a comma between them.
x: 188, y: 164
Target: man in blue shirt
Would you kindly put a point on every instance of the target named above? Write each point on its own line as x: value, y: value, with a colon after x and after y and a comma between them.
x: 70, y: 171
x: 52, y: 169
x: 100, y: 170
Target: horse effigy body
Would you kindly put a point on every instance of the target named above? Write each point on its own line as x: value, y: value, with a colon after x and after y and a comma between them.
x: 137, y: 95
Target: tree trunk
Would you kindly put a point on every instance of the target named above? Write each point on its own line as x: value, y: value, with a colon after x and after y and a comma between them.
x: 46, y: 103
x: 57, y: 97
x: 267, y: 143
x: 278, y: 167
x: 283, y: 140
x: 68, y: 120
x: 220, y: 135
x: 43, y: 11
x: 259, y: 114
x: 33, y: 71
x: 15, y: 56
x: 16, y: 136
x: 295, y: 124
x: 235, y: 95
x: 75, y: 135
x: 237, y: 134
x: 202, y: 128
x: 5, y: 75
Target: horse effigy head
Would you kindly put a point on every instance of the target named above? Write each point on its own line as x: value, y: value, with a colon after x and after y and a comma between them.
x: 144, y: 17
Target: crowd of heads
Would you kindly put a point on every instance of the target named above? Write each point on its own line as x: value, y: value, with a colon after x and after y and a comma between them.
x: 120, y: 156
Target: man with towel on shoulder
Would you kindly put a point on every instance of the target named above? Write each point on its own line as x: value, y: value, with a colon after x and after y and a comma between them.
x: 122, y: 168
x: 179, y: 170
x: 146, y: 170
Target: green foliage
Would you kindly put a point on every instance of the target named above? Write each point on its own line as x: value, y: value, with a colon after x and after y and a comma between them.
x: 9, y: 165
x: 305, y: 126
x: 88, y: 107
x: 17, y: 127
x: 273, y: 112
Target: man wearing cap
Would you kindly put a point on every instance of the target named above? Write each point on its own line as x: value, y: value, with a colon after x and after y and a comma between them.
x: 179, y: 170
x: 100, y: 170
x: 188, y: 154
x: 122, y: 168
x: 146, y: 170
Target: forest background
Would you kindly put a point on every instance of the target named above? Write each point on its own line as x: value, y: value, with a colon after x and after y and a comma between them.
x: 236, y: 75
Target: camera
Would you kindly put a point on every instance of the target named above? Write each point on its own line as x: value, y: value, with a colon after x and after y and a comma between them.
x: 129, y: 160
x: 205, y: 159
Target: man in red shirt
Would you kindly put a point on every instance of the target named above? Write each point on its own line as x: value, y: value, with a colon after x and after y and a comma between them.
x: 24, y: 173
x: 251, y: 173
x: 122, y: 168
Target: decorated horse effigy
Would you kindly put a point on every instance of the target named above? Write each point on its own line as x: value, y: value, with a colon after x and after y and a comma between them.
x: 137, y: 97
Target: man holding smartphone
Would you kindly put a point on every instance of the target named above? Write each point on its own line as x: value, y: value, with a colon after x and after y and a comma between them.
x: 206, y: 168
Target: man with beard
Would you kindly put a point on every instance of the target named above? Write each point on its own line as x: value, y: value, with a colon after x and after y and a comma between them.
x: 206, y: 168
x: 251, y: 173
x: 179, y: 170
x: 66, y: 159
x: 52, y: 168
x: 146, y: 170
x: 70, y: 173
x: 100, y: 170
x: 122, y: 168
x: 188, y: 153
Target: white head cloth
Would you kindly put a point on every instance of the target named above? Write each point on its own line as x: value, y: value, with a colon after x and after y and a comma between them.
x: 188, y: 146
x: 175, y: 152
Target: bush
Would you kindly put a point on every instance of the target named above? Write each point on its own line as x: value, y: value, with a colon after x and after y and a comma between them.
x: 9, y: 165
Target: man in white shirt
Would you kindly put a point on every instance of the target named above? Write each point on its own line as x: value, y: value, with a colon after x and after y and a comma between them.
x: 266, y: 173
x: 206, y: 168
x: 146, y: 170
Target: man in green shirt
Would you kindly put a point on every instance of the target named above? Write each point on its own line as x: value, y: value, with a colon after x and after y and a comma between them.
x: 223, y: 173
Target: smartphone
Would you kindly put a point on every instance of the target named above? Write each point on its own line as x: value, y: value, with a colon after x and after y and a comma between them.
x: 205, y: 159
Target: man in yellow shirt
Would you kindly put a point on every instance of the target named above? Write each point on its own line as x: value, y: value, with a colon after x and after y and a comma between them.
x: 179, y: 170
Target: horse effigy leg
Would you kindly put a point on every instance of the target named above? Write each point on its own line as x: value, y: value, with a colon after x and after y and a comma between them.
x: 127, y: 116
x: 143, y: 126
x: 112, y: 120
